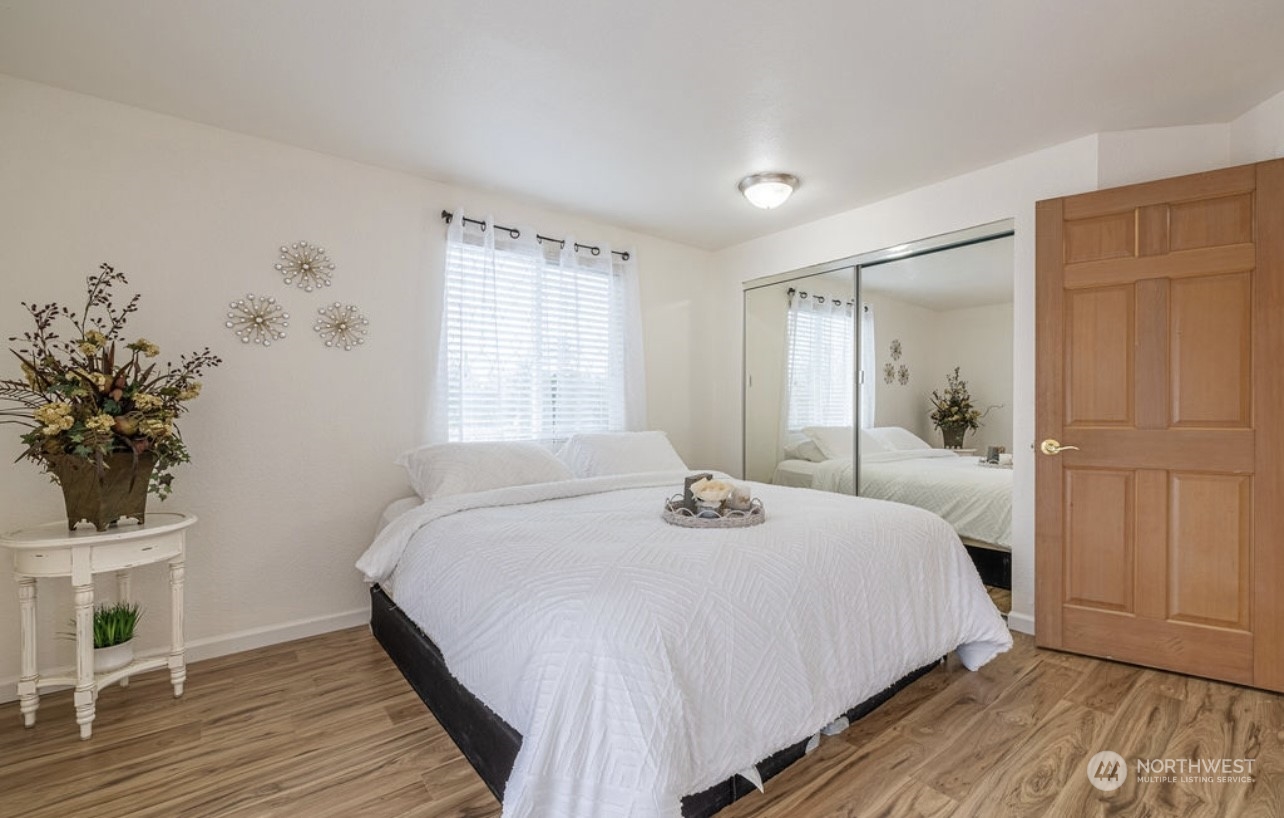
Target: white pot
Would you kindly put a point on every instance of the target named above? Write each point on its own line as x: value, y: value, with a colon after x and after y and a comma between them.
x: 114, y: 657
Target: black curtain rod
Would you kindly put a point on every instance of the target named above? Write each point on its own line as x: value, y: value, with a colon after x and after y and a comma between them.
x: 447, y: 217
x: 820, y: 298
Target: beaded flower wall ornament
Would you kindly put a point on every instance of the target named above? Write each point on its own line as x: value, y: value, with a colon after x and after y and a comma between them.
x: 307, y: 264
x: 257, y: 320
x: 341, y: 326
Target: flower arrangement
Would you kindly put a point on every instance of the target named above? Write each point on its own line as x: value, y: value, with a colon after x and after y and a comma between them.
x: 953, y: 412
x: 711, y: 492
x: 83, y: 398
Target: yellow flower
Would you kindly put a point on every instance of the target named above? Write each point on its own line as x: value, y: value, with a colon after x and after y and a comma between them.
x: 100, y: 423
x: 193, y: 390
x: 146, y: 400
x: 146, y: 347
x: 56, y: 418
x: 99, y: 380
x: 92, y: 343
x: 156, y: 428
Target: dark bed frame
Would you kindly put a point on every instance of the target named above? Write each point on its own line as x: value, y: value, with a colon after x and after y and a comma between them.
x: 491, y: 745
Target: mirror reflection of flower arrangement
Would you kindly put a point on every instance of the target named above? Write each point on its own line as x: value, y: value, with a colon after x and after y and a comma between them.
x: 80, y: 398
x: 954, y: 408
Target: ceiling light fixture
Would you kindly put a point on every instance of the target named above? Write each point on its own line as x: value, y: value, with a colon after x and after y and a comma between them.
x: 768, y: 190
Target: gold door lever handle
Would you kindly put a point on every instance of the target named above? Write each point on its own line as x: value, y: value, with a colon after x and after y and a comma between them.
x: 1051, y: 447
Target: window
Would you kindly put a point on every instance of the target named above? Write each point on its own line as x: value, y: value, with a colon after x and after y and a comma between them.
x: 537, y: 339
x: 820, y: 362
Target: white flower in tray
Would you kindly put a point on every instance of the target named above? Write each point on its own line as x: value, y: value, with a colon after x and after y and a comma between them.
x: 711, y: 492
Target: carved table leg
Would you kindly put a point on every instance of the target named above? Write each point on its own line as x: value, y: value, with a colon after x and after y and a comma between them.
x: 123, y: 595
x: 85, y: 691
x: 177, y: 666
x: 28, y: 682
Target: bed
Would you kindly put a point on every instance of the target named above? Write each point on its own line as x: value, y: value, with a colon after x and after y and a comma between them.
x: 593, y: 661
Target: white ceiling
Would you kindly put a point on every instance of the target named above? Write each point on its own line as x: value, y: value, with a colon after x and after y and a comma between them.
x: 646, y: 114
x: 970, y: 276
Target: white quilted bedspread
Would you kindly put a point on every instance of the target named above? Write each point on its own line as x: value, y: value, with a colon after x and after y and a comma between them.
x: 975, y: 499
x: 642, y: 662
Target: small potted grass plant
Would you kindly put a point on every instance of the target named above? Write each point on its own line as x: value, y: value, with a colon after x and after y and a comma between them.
x: 114, y: 635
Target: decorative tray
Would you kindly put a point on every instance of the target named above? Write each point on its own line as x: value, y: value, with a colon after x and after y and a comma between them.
x: 675, y: 513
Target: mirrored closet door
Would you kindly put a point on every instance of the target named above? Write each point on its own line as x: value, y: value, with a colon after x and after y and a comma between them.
x: 799, y: 365
x: 862, y: 371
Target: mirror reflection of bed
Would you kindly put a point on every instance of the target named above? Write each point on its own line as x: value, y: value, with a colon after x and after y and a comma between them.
x: 916, y: 318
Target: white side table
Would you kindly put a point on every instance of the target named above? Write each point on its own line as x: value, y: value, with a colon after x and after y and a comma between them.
x: 51, y: 550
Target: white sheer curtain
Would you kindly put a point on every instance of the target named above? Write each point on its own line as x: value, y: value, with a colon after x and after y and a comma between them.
x: 820, y: 353
x: 539, y: 340
x: 868, y: 376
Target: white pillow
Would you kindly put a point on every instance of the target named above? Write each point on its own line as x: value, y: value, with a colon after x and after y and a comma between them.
x: 897, y: 439
x: 870, y: 444
x: 836, y: 441
x: 801, y: 447
x: 606, y: 453
x: 833, y: 441
x: 462, y: 468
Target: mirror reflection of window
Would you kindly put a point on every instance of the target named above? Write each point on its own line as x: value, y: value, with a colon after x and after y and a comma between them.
x: 799, y: 353
x: 820, y: 344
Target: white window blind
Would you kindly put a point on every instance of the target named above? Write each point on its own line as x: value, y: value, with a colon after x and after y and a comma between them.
x: 535, y: 339
x: 820, y: 363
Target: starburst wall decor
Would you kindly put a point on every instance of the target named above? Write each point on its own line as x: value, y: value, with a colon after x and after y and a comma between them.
x: 341, y: 326
x: 307, y: 264
x: 257, y: 320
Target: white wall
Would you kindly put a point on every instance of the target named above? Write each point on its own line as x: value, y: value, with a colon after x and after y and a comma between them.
x: 1126, y: 157
x: 1258, y: 135
x: 292, y: 445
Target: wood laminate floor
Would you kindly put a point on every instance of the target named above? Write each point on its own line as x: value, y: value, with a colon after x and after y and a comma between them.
x: 1001, y: 597
x: 327, y: 727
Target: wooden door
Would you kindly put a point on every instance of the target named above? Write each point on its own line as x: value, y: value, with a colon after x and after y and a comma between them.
x: 1160, y: 348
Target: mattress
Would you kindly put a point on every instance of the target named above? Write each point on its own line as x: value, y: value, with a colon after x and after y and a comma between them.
x: 625, y: 651
x: 796, y: 473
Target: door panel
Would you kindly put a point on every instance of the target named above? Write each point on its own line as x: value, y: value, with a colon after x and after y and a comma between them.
x: 1211, y: 222
x: 1110, y: 236
x: 1155, y: 540
x: 1100, y: 505
x: 1100, y: 365
x: 1210, y: 520
x: 1211, y: 320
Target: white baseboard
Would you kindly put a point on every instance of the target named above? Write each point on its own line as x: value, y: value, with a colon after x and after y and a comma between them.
x: 224, y: 644
x: 1021, y: 623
